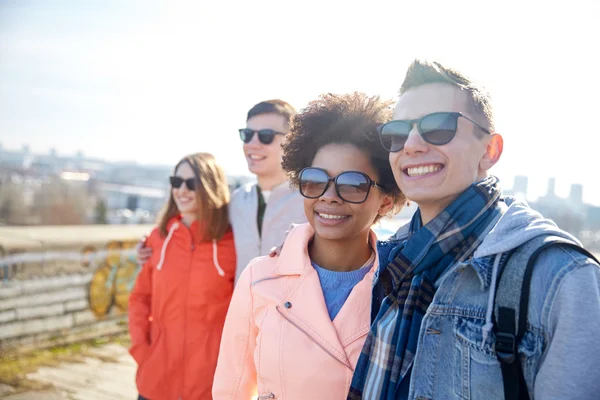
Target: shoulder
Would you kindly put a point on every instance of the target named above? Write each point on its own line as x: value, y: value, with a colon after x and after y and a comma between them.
x: 154, y: 238
x: 259, y: 269
x: 285, y: 193
x: 556, y: 262
x: 243, y: 192
x: 385, y: 247
x: 562, y: 275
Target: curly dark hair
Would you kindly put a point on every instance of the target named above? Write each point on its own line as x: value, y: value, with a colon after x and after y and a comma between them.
x: 341, y: 119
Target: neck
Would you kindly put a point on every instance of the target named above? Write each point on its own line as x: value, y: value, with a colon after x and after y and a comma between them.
x: 345, y: 256
x: 188, y: 219
x: 431, y: 210
x: 269, y: 182
x: 428, y: 213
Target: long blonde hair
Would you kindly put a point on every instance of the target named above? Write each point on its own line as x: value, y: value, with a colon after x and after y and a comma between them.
x: 212, y: 197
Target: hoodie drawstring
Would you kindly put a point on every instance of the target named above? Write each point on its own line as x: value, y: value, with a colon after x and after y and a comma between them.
x: 487, y: 328
x: 165, y: 244
x: 216, y: 260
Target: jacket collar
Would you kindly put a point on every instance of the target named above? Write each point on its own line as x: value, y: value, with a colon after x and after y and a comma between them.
x: 296, y: 243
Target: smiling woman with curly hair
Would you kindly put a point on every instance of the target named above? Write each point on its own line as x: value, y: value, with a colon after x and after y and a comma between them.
x: 297, y: 323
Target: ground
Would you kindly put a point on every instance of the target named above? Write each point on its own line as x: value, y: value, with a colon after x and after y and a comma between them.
x: 99, y: 370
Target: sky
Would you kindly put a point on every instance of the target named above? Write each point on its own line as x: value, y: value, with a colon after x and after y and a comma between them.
x: 151, y: 81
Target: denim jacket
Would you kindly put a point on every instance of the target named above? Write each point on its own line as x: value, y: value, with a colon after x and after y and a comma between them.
x: 559, y: 353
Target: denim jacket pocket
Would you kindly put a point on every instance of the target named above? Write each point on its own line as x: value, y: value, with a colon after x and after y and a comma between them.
x: 478, y: 372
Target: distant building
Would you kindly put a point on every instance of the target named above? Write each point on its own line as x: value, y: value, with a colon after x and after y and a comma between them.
x: 576, y: 194
x: 551, y: 188
x: 520, y: 185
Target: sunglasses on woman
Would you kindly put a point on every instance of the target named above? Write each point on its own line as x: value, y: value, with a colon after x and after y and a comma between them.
x: 177, y: 181
x: 438, y: 129
x: 265, y: 136
x: 350, y: 186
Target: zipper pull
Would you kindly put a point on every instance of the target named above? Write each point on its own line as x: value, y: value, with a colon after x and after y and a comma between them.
x: 266, y: 396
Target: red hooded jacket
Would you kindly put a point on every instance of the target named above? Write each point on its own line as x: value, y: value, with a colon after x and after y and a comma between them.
x: 177, y: 310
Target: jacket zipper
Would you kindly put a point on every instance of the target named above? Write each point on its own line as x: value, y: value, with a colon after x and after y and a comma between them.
x: 266, y: 396
x: 311, y: 338
x: 187, y: 293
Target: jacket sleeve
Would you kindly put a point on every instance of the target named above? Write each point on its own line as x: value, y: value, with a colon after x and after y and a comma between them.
x: 235, y: 377
x: 139, y: 310
x: 568, y: 369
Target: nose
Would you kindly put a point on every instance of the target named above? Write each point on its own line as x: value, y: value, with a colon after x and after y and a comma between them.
x: 330, y: 196
x: 414, y: 143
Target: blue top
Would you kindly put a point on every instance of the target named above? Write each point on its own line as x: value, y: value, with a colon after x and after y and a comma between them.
x: 338, y: 285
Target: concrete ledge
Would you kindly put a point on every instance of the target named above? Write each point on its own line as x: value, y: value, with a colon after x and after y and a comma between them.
x: 36, y: 238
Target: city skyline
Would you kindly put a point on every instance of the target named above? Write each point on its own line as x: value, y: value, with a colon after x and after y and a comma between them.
x: 556, y: 187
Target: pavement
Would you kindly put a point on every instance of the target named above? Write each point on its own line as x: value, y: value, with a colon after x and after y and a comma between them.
x: 109, y: 374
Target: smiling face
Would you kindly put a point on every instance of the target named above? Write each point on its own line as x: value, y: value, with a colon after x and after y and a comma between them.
x: 330, y: 216
x: 185, y: 199
x: 265, y: 159
x: 434, y: 176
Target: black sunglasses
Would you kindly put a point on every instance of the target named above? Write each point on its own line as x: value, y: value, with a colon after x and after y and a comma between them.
x: 350, y: 186
x: 265, y: 136
x: 177, y: 181
x: 438, y: 129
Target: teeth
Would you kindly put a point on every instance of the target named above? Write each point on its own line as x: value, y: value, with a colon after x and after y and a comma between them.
x: 423, y: 170
x: 329, y: 216
x: 255, y: 157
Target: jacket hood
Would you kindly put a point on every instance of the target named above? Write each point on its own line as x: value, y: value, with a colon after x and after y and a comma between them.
x: 518, y: 224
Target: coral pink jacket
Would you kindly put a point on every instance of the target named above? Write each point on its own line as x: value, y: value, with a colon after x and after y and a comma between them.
x: 279, y: 342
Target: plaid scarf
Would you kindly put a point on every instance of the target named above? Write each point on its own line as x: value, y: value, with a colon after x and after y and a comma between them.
x: 383, y: 369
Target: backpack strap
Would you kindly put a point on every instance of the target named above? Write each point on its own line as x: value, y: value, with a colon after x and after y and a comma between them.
x: 511, y: 306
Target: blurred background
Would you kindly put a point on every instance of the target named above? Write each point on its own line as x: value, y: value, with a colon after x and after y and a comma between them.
x: 98, y: 99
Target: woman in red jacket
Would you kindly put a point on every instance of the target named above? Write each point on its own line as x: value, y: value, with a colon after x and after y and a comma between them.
x: 178, y: 305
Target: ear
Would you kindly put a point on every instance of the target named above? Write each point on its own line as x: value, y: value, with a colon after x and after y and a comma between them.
x: 492, y: 153
x: 385, y: 205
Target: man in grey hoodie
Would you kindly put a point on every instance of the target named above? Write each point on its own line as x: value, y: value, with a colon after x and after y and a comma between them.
x: 434, y: 333
x: 260, y: 212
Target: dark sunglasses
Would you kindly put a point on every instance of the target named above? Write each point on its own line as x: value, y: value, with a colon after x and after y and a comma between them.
x: 350, y: 186
x: 438, y: 129
x: 177, y: 181
x: 265, y: 136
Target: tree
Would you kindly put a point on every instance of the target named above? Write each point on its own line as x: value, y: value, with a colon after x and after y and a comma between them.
x: 61, y: 203
x: 12, y: 205
x: 100, y: 217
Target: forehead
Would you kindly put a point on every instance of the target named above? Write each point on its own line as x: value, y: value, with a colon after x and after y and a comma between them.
x: 185, y: 171
x: 336, y: 158
x: 430, y: 98
x: 268, y: 121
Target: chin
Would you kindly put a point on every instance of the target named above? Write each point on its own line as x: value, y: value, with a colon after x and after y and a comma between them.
x: 331, y: 234
x: 187, y: 210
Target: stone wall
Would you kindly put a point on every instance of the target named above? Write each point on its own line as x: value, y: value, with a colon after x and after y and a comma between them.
x: 65, y: 284
x: 41, y: 312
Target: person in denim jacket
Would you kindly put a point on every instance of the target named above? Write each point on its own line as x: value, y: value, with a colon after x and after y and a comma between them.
x: 432, y: 333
